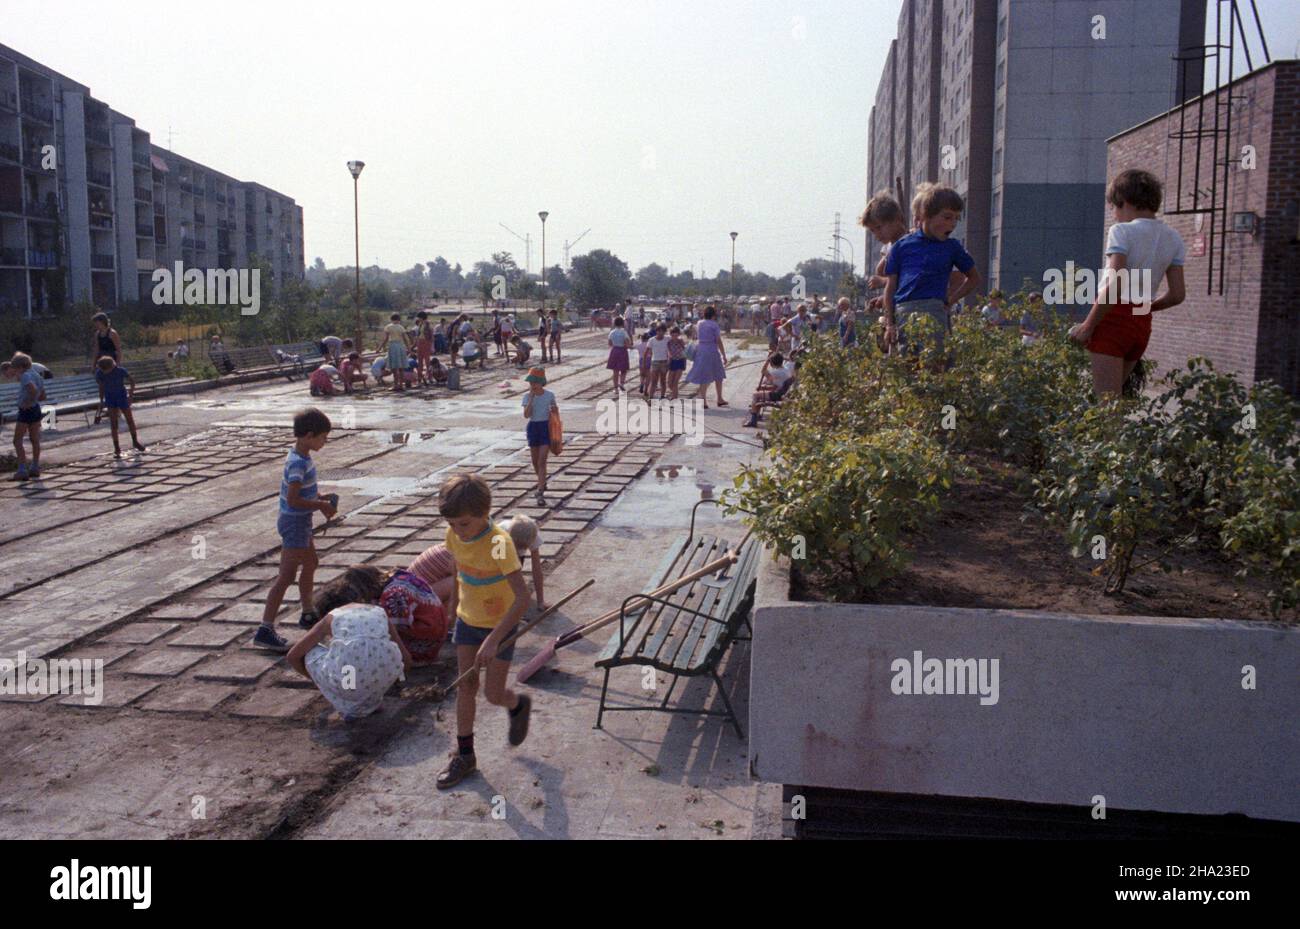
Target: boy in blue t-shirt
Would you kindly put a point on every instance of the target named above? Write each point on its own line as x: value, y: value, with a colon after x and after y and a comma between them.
x: 31, y: 391
x: 116, y: 390
x: 299, y: 499
x: 920, y: 265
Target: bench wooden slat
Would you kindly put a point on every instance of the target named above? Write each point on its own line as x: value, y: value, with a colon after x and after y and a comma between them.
x: 672, y: 623
x: 665, y: 615
x: 716, y: 635
x: 704, y: 631
x: 663, y: 575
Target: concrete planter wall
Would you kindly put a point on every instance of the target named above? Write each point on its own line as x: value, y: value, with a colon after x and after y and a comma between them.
x: 1150, y: 714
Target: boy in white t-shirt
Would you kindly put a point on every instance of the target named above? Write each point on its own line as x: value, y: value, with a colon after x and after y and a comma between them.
x: 1118, y: 327
x: 659, y: 362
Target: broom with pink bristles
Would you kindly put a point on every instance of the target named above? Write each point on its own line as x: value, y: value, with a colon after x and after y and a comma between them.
x: 543, y: 658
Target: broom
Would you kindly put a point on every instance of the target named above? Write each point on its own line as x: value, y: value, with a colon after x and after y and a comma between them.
x: 545, y: 655
x: 441, y: 692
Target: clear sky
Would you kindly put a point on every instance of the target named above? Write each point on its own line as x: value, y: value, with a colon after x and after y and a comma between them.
x: 661, y: 125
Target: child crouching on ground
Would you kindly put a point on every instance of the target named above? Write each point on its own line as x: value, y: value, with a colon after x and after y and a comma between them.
x: 488, y: 601
x: 364, y: 658
x: 410, y: 603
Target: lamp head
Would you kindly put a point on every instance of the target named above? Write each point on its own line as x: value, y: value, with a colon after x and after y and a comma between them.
x: 543, y: 215
x: 734, y: 236
x: 356, y: 167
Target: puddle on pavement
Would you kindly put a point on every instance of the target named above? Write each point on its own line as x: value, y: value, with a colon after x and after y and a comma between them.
x: 663, y: 498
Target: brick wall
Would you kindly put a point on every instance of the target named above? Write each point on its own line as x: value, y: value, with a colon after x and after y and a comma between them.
x: 1251, y: 327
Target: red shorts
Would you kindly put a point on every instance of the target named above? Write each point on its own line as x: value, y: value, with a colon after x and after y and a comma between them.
x: 1121, y: 334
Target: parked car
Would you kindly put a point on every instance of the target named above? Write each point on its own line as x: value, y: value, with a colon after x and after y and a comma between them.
x: 602, y: 318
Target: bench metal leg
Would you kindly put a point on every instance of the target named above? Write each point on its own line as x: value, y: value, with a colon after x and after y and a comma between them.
x: 668, y: 696
x: 604, y: 690
x: 727, y: 703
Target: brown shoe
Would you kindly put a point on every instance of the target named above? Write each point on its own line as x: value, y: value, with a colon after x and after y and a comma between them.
x: 519, y: 722
x: 461, y: 767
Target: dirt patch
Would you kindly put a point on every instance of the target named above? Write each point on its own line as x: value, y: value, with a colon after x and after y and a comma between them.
x: 992, y: 549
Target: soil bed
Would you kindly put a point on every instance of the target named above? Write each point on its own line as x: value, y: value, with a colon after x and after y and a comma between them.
x: 992, y: 549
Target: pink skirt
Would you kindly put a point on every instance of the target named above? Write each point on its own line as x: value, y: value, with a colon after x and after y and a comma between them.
x: 618, y: 360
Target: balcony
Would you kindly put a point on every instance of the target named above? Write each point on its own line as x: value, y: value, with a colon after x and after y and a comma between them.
x: 101, y: 221
x: 39, y: 259
x: 99, y: 135
x: 33, y: 162
x: 38, y: 112
x: 193, y: 243
x: 102, y: 263
x: 201, y: 218
x: 10, y: 153
x: 187, y: 187
x: 99, y: 178
x: 144, y: 230
x: 13, y: 257
x: 143, y: 194
x: 141, y: 160
x: 9, y: 100
x: 48, y: 210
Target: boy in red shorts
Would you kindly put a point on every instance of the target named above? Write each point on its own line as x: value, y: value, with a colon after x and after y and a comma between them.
x: 1118, y: 327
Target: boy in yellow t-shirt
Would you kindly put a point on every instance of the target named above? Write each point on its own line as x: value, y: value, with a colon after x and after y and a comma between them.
x: 488, y: 601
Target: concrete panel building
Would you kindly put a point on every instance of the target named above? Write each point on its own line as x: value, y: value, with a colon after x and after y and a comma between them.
x: 1029, y: 91
x: 89, y: 207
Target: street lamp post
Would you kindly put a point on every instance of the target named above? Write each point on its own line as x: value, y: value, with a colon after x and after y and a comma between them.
x: 852, y: 263
x: 356, y: 167
x: 543, y: 216
x: 734, y: 236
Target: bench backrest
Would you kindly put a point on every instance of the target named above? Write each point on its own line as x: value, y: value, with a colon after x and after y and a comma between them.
x: 149, y: 370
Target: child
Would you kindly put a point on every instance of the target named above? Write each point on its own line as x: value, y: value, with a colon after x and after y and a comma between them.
x: 351, y: 372
x: 772, y: 386
x: 437, y: 568
x: 544, y: 338
x: 1118, y: 327
x: 527, y: 538
x: 643, y: 355
x: 331, y: 349
x: 409, y: 601
x: 31, y: 391
x: 298, y: 500
x: 106, y: 342
x: 497, y: 334
x: 437, y: 373
x: 364, y: 658
x: 658, y: 349
x: 538, y: 404
x: 619, y: 341
x: 488, y: 601
x: 397, y: 342
x: 556, y: 331
x: 920, y: 265
x: 423, y: 344
x: 676, y: 360
x: 322, y: 381
x: 414, y: 376
x: 508, y: 330
x: 523, y: 351
x: 470, y: 352
x: 379, y: 370
x: 116, y: 390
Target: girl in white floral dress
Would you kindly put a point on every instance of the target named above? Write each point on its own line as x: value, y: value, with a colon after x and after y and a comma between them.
x: 364, y: 658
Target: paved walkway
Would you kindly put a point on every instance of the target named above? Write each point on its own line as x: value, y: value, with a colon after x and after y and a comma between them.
x: 159, y: 566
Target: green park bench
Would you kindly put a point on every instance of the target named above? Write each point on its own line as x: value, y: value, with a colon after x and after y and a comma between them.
x: 78, y: 394
x: 687, y: 632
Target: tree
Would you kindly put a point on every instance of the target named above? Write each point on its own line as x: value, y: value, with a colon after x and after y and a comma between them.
x: 557, y: 282
x: 599, y: 279
x: 652, y: 280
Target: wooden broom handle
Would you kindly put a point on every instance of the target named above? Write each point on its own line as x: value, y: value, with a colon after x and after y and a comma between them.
x: 520, y: 633
x: 596, y: 624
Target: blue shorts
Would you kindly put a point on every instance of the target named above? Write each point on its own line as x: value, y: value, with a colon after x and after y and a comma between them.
x: 934, y: 309
x: 677, y: 365
x: 539, y: 435
x: 119, y: 402
x: 466, y: 634
x: 295, y: 530
x: 31, y: 416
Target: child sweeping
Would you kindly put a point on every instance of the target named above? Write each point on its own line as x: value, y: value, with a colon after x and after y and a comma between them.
x: 489, y: 600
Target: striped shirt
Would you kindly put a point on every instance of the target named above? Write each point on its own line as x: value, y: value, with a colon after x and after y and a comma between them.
x: 434, y: 565
x: 301, y: 470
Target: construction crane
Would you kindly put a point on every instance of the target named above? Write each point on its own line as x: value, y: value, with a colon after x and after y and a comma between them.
x: 528, y: 247
x: 568, y: 246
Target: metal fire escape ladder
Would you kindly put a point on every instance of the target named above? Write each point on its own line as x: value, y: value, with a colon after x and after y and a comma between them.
x: 1209, y: 192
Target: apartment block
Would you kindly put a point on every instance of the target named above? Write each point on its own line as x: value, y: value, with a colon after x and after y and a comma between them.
x: 90, y: 207
x: 1010, y: 102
